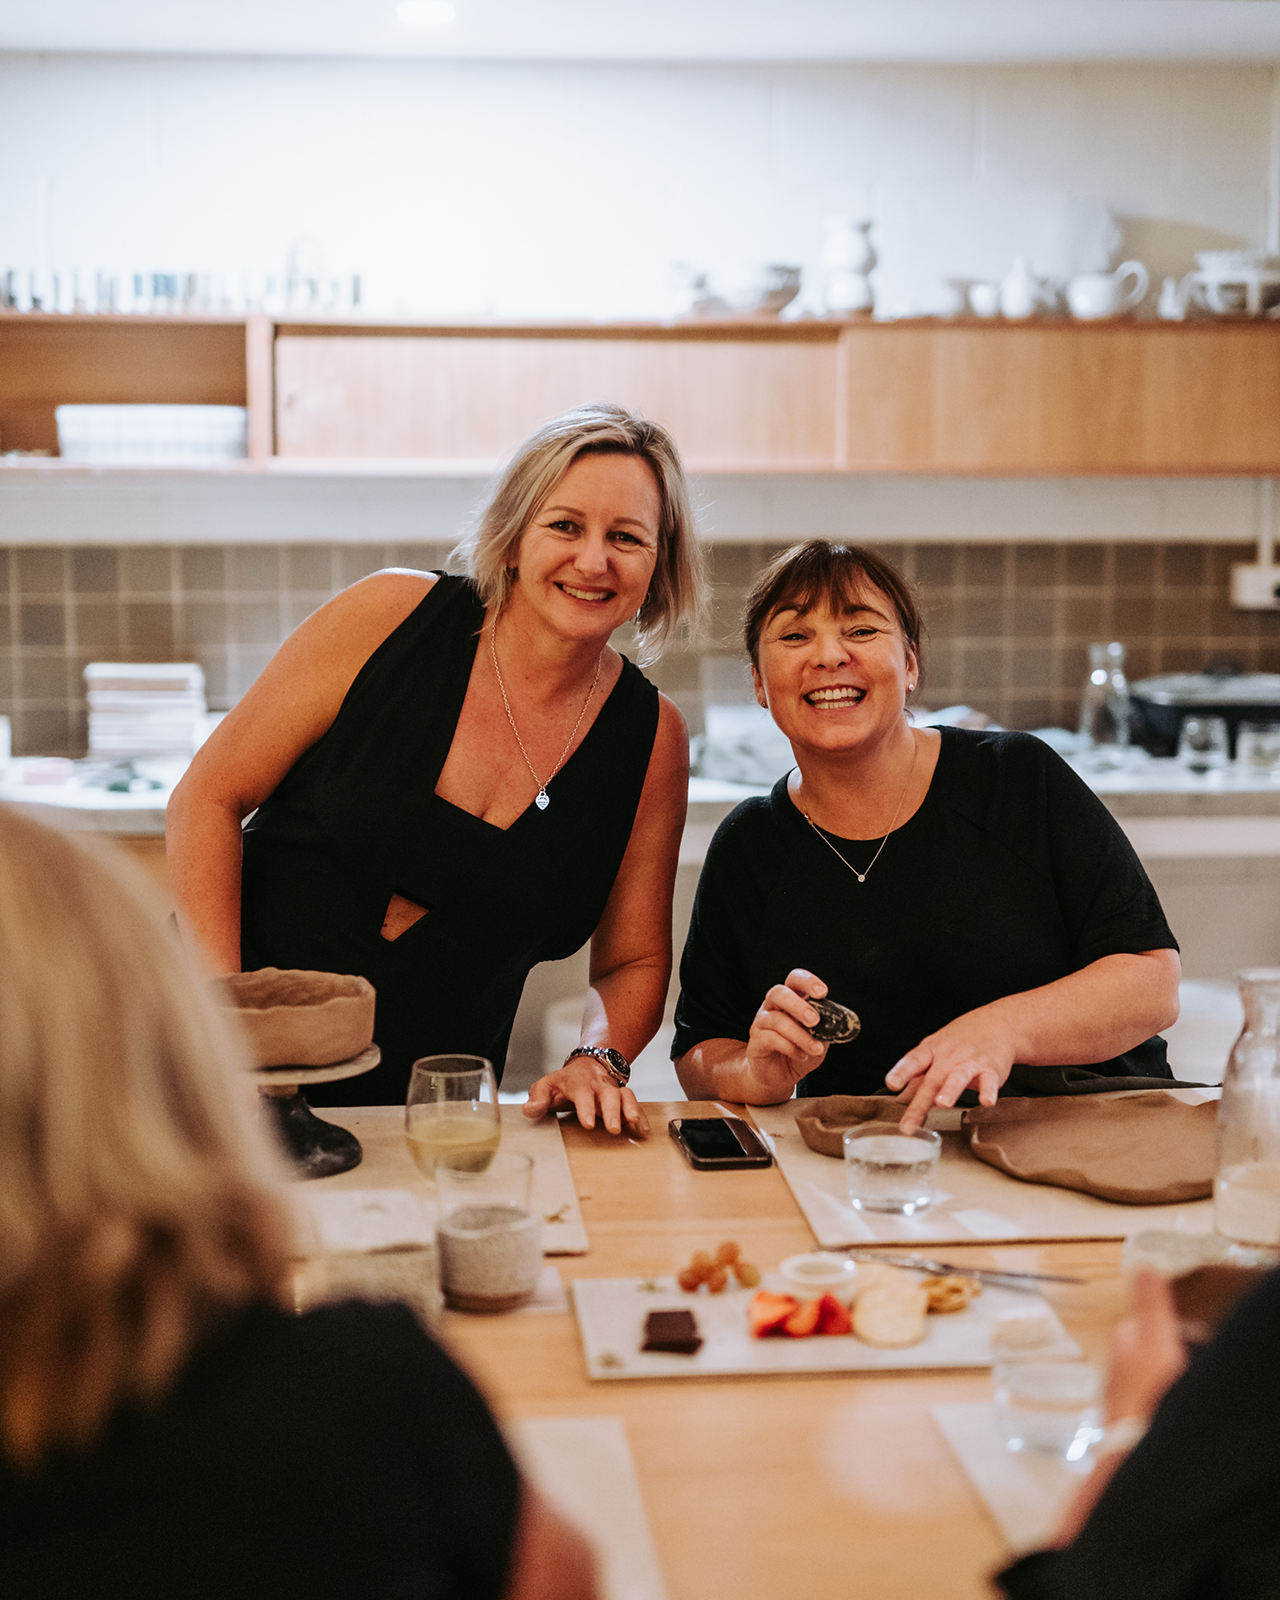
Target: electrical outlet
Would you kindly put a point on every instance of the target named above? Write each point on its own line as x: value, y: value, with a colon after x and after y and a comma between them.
x: 1255, y: 588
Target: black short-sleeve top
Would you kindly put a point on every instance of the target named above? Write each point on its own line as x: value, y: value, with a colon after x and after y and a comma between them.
x: 1011, y: 874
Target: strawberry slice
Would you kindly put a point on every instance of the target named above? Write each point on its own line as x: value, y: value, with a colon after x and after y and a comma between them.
x: 803, y: 1320
x: 833, y: 1317
x: 769, y: 1311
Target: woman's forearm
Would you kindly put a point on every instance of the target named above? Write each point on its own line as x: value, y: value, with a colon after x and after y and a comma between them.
x: 1092, y: 1015
x: 202, y: 842
x: 719, y: 1069
x: 624, y: 1005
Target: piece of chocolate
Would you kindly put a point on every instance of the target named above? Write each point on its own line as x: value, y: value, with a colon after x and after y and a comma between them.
x: 836, y: 1024
x: 676, y: 1331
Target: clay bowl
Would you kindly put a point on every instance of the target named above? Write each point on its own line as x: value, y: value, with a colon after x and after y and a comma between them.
x: 302, y: 1019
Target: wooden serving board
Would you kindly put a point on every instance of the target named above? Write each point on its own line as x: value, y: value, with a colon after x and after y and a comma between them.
x: 976, y: 1203
x: 611, y: 1316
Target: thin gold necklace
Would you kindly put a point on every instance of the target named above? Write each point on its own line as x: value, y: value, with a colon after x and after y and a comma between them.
x: 862, y: 876
x: 542, y: 799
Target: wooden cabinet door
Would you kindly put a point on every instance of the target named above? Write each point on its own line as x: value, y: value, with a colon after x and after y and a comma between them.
x: 1062, y: 398
x: 733, y: 404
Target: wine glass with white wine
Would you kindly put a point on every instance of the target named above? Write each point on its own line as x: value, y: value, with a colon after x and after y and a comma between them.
x: 452, y: 1109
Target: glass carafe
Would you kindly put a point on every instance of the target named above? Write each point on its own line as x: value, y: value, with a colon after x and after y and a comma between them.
x: 1105, y: 711
x: 1246, y: 1193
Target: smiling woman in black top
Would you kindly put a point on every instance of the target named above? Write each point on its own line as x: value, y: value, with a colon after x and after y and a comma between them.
x: 452, y: 779
x: 964, y: 892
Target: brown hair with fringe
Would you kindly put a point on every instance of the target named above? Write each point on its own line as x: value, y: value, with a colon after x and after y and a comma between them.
x: 138, y: 1197
x: 822, y: 572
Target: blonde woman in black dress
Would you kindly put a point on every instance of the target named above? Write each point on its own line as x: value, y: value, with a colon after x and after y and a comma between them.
x: 453, y: 779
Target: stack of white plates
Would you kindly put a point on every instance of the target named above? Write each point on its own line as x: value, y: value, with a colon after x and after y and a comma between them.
x: 151, y: 436
x: 145, y: 708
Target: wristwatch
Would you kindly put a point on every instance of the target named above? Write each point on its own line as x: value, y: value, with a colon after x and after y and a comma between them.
x: 613, y: 1061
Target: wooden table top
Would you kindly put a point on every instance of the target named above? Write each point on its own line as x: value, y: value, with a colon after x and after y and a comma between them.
x: 821, y: 1485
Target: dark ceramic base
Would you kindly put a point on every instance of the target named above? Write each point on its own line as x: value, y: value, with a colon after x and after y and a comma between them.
x: 316, y: 1148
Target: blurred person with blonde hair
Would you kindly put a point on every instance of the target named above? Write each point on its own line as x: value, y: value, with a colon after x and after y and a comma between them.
x: 167, y: 1427
x: 439, y: 781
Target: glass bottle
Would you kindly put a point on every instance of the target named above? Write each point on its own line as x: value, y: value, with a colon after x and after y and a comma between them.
x: 1105, y: 714
x: 1246, y: 1192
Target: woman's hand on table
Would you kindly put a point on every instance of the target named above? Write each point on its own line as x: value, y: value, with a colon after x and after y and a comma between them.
x: 974, y: 1051
x: 584, y: 1085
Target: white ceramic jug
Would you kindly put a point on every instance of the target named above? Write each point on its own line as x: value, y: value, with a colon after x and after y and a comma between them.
x: 1020, y: 291
x: 846, y: 260
x: 1094, y: 296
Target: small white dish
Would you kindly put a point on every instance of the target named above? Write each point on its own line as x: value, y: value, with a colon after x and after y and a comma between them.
x: 820, y: 1272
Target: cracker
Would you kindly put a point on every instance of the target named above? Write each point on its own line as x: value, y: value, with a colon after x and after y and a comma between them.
x: 890, y: 1316
x: 950, y: 1294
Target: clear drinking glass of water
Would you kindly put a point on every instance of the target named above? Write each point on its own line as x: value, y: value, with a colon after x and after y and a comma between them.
x: 1258, y: 749
x: 1203, y: 744
x: 490, y: 1240
x: 889, y: 1169
x: 1047, y: 1402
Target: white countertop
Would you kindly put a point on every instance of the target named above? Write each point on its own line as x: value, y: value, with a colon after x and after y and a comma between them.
x: 1165, y: 810
x: 66, y: 795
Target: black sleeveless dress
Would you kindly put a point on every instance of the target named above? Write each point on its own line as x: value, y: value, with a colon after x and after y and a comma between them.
x: 357, y: 820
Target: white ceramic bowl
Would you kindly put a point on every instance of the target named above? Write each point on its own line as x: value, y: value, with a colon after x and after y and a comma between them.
x: 820, y: 1272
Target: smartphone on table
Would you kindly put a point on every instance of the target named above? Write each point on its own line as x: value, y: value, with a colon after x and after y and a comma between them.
x: 715, y: 1143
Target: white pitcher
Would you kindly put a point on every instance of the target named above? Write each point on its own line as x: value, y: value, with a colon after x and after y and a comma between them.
x: 1094, y: 296
x: 1021, y: 292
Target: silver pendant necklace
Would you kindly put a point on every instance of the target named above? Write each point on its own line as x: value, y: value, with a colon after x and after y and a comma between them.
x: 862, y: 876
x: 542, y: 799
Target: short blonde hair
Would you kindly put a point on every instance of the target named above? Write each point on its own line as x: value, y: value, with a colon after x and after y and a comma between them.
x: 138, y: 1199
x: 677, y: 590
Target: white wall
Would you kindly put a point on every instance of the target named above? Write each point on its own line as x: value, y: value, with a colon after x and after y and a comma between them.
x: 568, y: 190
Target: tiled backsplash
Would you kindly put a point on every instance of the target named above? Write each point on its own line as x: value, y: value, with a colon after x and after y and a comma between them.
x: 1007, y: 623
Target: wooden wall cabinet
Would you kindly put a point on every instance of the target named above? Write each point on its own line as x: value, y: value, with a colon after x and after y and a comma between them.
x: 738, y: 400
x: 1063, y: 398
x: 1050, y: 398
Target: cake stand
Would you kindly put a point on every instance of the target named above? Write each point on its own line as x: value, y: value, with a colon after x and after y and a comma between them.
x: 318, y: 1149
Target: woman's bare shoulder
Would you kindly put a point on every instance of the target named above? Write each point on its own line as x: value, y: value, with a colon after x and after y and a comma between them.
x: 393, y: 591
x: 355, y: 622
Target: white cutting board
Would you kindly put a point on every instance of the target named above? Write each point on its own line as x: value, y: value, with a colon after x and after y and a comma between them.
x: 976, y: 1203
x: 611, y: 1316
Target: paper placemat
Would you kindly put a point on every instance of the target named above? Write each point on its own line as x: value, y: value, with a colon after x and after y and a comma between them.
x: 976, y: 1204
x: 583, y: 1465
x: 555, y: 1199
x: 611, y: 1315
x: 1025, y: 1494
x: 387, y: 1165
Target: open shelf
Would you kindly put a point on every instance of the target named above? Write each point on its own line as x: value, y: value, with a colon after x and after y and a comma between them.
x: 742, y: 395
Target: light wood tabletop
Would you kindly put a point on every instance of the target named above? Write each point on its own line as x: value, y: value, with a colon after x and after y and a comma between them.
x: 815, y: 1485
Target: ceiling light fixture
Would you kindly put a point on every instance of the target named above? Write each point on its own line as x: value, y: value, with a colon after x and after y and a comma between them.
x: 425, y: 13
